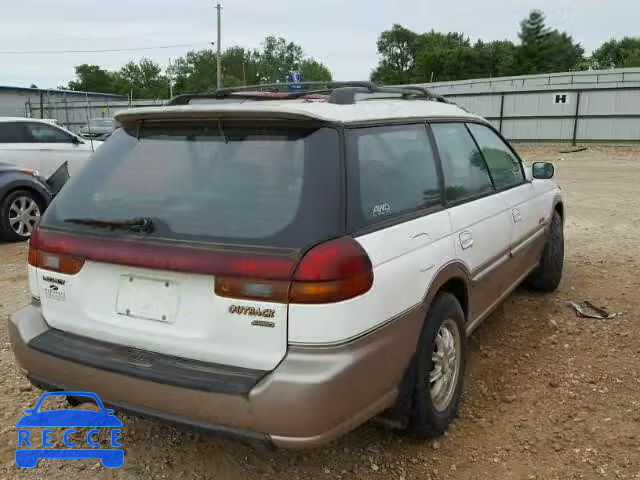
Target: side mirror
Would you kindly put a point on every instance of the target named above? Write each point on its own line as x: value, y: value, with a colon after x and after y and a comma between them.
x: 76, y: 141
x: 543, y: 170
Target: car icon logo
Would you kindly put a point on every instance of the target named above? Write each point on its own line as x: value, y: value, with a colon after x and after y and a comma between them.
x: 35, y: 433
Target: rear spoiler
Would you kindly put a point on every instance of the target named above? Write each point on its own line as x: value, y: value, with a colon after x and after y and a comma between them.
x: 58, y: 179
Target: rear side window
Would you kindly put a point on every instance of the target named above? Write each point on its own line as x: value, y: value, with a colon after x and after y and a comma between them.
x: 465, y: 172
x: 12, y: 132
x: 41, y: 133
x: 505, y: 168
x: 392, y: 171
x: 267, y: 186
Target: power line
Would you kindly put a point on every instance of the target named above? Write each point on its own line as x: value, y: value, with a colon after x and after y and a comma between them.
x: 53, y: 52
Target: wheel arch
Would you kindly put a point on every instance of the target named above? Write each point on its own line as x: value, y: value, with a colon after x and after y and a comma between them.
x: 558, y: 207
x: 453, y: 278
x: 42, y: 200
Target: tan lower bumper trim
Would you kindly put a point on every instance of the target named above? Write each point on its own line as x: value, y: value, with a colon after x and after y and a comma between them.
x: 314, y: 396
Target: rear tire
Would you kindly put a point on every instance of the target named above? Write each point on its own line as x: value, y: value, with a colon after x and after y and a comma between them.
x: 20, y: 212
x: 549, y: 274
x: 440, y: 357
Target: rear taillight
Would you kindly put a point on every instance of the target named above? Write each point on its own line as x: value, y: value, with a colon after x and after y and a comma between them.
x: 55, y: 262
x: 330, y: 272
x: 51, y: 250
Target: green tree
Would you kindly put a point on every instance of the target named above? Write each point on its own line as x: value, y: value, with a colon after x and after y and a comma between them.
x: 195, y: 72
x: 542, y: 50
x: 618, y: 54
x: 398, y: 49
x: 493, y: 59
x: 408, y: 57
x: 238, y: 67
x: 443, y: 56
x: 314, y: 71
x: 276, y: 59
x: 143, y: 79
x: 92, y: 78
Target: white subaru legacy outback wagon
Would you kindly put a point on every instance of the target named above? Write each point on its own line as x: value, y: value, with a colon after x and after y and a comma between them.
x: 282, y: 267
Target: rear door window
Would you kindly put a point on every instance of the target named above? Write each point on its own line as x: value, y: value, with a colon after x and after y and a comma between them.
x: 12, y: 132
x: 392, y: 171
x: 237, y: 184
x: 465, y: 172
x: 504, y: 166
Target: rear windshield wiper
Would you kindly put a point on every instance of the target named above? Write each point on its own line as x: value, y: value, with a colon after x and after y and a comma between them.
x: 139, y: 225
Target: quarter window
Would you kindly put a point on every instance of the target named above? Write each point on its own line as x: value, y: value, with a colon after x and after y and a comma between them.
x: 395, y: 170
x: 504, y: 166
x: 465, y: 172
x: 47, y: 134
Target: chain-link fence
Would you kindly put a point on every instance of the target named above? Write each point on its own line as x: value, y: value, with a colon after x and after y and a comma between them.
x: 74, y: 115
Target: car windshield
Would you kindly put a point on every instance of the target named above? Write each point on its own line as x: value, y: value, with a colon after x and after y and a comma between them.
x: 257, y: 185
x: 101, y: 123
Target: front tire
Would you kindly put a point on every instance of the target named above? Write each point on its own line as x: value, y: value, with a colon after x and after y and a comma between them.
x: 438, y: 366
x: 549, y: 274
x: 20, y: 212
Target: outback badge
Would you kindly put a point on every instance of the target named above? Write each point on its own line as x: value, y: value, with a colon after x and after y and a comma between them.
x: 252, y: 311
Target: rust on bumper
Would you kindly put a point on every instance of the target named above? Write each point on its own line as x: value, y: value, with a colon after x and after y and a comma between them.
x: 314, y: 396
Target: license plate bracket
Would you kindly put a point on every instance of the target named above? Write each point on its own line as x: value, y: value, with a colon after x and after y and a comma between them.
x: 148, y: 298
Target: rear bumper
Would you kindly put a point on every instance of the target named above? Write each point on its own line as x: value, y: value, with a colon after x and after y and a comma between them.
x: 314, y: 396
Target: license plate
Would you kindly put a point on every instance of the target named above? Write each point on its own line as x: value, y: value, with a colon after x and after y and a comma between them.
x: 148, y: 299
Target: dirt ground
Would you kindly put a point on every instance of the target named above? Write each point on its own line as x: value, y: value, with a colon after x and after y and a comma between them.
x: 548, y: 395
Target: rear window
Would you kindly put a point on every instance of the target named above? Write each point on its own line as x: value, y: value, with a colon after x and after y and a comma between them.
x: 249, y: 185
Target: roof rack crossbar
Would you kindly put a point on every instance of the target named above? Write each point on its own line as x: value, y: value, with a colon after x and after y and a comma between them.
x: 342, y: 93
x: 321, y: 87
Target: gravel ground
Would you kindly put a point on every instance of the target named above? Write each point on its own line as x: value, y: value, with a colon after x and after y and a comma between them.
x: 548, y: 395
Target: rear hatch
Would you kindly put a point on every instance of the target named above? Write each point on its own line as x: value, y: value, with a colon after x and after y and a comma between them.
x: 165, y: 218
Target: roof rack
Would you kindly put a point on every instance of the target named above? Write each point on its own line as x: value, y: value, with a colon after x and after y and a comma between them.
x: 340, y: 93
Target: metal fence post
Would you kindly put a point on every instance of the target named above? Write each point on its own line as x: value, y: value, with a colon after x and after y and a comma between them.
x: 577, y: 115
x: 501, y: 111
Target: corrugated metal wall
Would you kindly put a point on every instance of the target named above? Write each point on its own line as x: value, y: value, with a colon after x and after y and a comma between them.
x: 594, y: 106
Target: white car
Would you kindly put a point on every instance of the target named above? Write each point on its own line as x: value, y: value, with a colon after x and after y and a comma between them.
x: 285, y: 268
x: 43, y: 146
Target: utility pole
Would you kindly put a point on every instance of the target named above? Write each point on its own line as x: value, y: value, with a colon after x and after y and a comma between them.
x: 218, y: 59
x: 170, y: 76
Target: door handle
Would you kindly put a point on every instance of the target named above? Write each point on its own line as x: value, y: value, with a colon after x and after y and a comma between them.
x: 517, y: 218
x: 421, y: 235
x: 466, y: 240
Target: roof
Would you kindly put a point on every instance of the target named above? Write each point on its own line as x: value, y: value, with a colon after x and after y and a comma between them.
x: 58, y: 91
x: 362, y: 111
x: 25, y: 119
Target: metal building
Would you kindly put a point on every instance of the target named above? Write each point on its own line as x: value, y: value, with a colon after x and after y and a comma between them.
x: 591, y: 106
x: 21, y: 102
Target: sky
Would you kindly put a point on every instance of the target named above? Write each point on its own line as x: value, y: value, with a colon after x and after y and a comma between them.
x: 340, y: 33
